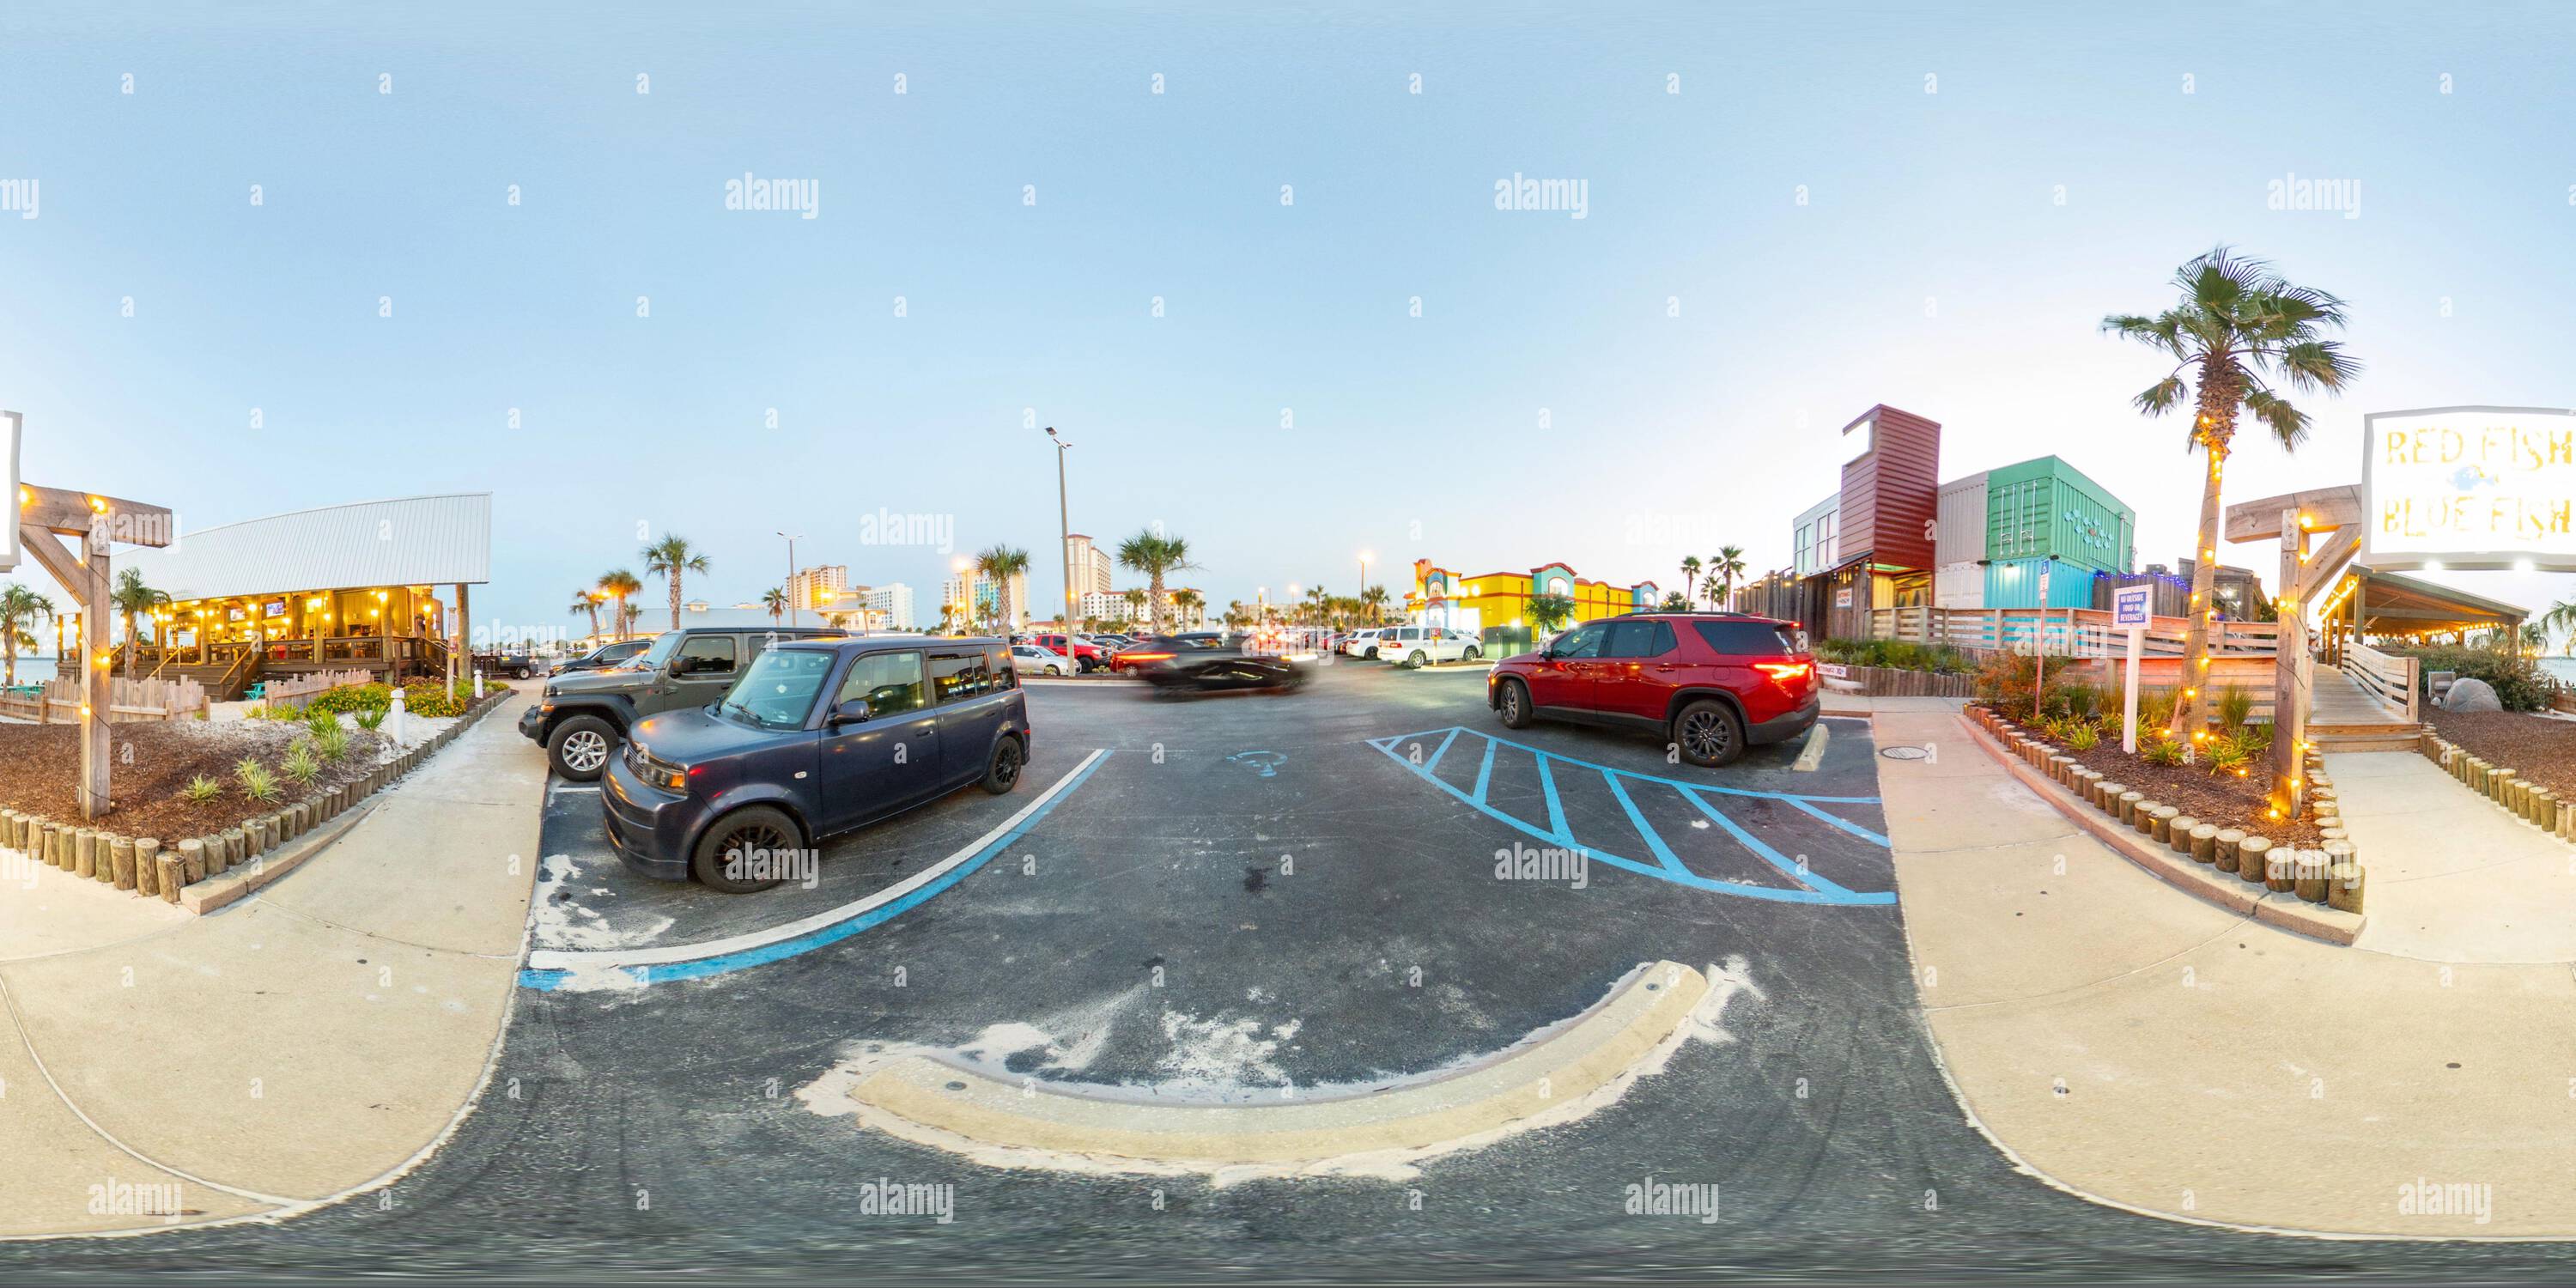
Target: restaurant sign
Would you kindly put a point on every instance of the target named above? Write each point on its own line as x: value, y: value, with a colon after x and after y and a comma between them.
x: 2469, y: 487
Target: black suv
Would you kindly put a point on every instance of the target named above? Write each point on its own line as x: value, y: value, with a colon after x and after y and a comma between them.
x: 583, y: 717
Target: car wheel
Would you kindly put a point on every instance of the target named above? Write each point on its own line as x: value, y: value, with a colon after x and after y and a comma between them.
x: 1004, y: 773
x: 1708, y: 733
x: 1474, y: 654
x: 754, y: 839
x: 579, y: 748
x: 1053, y: 669
x: 1371, y: 654
x: 1514, y: 703
x: 1417, y: 660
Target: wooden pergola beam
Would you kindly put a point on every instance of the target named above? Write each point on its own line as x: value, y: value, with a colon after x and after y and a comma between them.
x: 2316, y: 510
x: 47, y: 514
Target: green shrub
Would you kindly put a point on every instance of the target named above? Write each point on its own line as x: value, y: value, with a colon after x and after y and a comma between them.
x: 2235, y: 704
x: 2155, y: 708
x: 351, y: 697
x: 256, y: 782
x: 372, y: 718
x: 2160, y: 751
x: 2225, y: 755
x: 332, y: 743
x: 2083, y: 737
x: 300, y: 764
x: 1902, y: 655
x: 201, y: 789
x: 2517, y: 680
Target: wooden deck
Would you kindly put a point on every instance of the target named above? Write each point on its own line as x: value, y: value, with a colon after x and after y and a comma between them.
x: 2343, y: 716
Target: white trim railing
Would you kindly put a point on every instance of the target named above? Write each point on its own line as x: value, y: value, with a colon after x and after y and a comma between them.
x: 2073, y: 632
x: 2385, y: 676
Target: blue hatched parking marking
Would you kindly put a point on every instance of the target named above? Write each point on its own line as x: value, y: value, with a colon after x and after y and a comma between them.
x: 1668, y: 866
x: 1439, y: 751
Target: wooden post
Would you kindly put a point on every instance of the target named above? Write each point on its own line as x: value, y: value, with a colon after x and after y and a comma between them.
x: 2293, y: 676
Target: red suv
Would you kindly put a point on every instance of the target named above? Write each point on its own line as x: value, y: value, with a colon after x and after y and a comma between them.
x: 1084, y: 653
x: 1710, y: 683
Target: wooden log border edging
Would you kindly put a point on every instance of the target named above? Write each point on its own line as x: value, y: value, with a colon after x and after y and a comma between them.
x: 204, y: 873
x: 2317, y: 893
x: 2503, y: 788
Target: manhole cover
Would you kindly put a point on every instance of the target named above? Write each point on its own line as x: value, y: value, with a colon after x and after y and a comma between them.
x: 1905, y: 753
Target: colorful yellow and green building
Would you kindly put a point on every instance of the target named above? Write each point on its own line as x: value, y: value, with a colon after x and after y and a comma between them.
x: 1496, y: 604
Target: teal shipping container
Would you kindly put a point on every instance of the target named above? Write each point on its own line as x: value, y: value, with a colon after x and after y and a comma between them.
x: 2045, y: 507
x: 2014, y: 583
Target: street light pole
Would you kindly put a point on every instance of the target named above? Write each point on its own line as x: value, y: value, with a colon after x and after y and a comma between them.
x: 793, y: 619
x: 1064, y: 534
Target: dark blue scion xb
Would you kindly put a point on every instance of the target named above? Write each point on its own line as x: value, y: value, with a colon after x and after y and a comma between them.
x: 817, y: 737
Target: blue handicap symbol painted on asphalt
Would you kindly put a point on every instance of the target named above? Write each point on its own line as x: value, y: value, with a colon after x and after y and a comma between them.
x: 1268, y: 762
x: 1811, y: 887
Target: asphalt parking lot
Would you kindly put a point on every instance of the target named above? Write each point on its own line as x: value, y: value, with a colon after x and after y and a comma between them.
x: 1236, y: 897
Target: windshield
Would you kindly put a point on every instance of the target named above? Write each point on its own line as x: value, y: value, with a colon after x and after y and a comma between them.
x: 663, y: 647
x: 779, y: 689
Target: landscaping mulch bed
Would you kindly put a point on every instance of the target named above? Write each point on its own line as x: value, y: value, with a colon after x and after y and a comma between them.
x: 2535, y: 747
x: 39, y: 764
x: 2224, y: 799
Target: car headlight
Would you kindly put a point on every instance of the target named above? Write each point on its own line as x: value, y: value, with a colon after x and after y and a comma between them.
x: 657, y: 772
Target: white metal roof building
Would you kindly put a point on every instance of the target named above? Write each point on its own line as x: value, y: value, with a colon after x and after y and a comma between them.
x: 412, y: 541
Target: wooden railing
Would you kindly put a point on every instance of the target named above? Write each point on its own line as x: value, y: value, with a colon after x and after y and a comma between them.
x: 2073, y: 632
x: 59, y: 701
x: 2385, y: 676
x: 295, y: 690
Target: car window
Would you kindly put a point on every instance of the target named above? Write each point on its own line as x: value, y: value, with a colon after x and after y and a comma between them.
x: 998, y: 673
x: 708, y: 655
x: 955, y: 677
x: 1582, y: 641
x: 777, y: 690
x: 1637, y: 639
x: 1759, y: 639
x: 890, y: 682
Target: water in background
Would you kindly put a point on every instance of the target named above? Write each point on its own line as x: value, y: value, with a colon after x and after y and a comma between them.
x: 32, y: 670
x: 2561, y: 669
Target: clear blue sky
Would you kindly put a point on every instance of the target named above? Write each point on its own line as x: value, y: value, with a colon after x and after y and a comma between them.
x: 1931, y: 266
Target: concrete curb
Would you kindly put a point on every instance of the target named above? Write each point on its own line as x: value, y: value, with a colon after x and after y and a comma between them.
x: 1562, y: 1074
x: 2503, y: 788
x: 2128, y: 837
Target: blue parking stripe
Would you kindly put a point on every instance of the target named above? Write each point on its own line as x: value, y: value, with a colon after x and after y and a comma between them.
x: 1843, y: 823
x: 1762, y: 848
x: 1654, y: 839
x: 1668, y: 868
x: 1485, y: 772
x: 1439, y: 751
x: 824, y: 936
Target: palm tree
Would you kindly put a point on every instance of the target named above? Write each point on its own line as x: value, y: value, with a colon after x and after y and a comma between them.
x: 1135, y: 605
x: 587, y: 601
x: 1188, y: 602
x: 671, y: 559
x: 998, y: 565
x: 133, y: 598
x: 1724, y: 569
x: 1547, y: 612
x: 20, y: 610
x: 775, y: 600
x: 1373, y: 602
x: 1154, y: 555
x: 2237, y: 329
x: 2561, y: 617
x: 622, y: 586
x: 1674, y: 602
x: 1690, y: 577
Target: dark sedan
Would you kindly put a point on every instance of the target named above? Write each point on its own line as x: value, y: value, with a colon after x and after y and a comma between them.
x: 1196, y: 670
x: 816, y: 738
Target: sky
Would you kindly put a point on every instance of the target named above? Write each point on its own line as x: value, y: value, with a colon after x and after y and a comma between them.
x: 1273, y: 305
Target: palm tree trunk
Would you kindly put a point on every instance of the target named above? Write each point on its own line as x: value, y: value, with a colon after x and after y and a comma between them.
x: 2187, y: 717
x: 1154, y: 601
x: 675, y: 599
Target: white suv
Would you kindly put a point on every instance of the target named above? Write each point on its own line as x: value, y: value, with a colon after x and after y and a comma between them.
x: 1419, y: 645
x: 1362, y: 643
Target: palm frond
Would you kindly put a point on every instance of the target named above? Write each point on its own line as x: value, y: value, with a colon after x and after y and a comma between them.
x: 2162, y: 396
x: 2288, y: 424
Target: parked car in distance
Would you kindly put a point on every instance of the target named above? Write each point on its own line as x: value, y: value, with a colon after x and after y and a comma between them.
x: 1031, y: 659
x: 1712, y: 684
x: 1422, y: 645
x: 580, y: 719
x: 815, y: 737
x: 1111, y: 640
x: 1084, y: 654
x: 517, y: 663
x: 1362, y: 644
x: 605, y: 656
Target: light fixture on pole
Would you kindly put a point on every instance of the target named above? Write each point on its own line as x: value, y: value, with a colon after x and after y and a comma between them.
x: 793, y: 599
x: 1064, y: 530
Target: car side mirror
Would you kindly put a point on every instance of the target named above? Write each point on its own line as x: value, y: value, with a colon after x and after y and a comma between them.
x: 854, y: 711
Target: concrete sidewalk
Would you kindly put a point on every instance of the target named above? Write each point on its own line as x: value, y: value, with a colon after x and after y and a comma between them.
x: 2453, y: 877
x: 2138, y: 1046
x: 314, y: 1040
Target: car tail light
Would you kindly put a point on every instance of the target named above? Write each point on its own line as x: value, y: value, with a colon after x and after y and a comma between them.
x: 1147, y: 657
x: 1784, y: 672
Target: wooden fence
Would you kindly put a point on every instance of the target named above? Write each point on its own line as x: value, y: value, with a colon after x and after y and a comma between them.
x: 2387, y: 677
x: 292, y: 692
x: 2069, y: 632
x: 1888, y: 681
x: 59, y: 702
